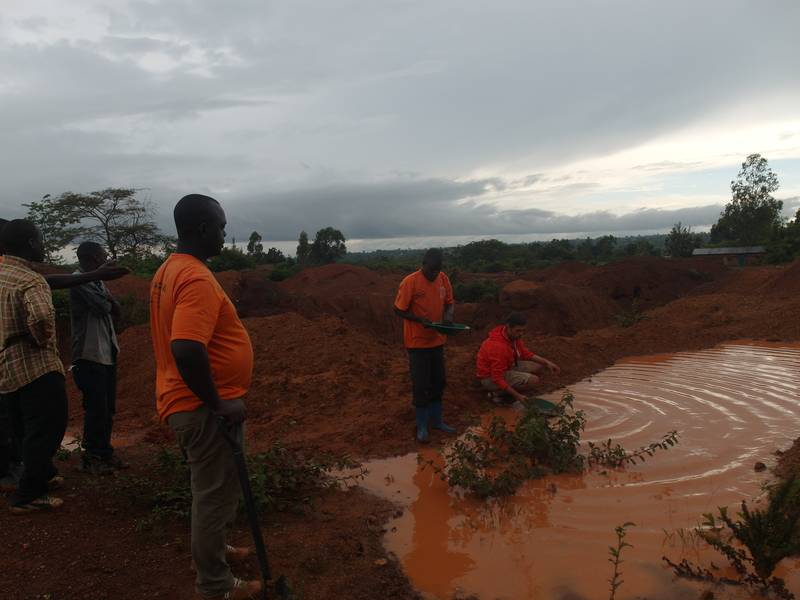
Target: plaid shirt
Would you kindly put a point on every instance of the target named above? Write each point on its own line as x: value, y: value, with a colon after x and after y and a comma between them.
x: 28, y: 347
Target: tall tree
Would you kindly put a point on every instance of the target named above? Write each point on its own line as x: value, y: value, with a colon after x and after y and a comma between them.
x: 329, y: 245
x: 115, y: 218
x: 753, y: 215
x: 681, y: 241
x: 59, y: 225
x: 303, y: 248
x: 254, y: 245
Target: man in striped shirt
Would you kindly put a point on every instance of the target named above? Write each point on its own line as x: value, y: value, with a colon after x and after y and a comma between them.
x: 31, y: 373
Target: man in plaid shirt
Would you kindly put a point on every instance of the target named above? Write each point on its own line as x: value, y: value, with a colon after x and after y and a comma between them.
x: 31, y: 373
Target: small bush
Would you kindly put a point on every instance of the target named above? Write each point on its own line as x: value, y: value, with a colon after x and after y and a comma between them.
x: 753, y: 543
x: 497, y: 463
x: 480, y: 290
x: 281, y: 481
x: 285, y: 270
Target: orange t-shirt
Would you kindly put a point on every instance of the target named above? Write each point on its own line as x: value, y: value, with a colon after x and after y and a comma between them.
x: 425, y: 299
x: 187, y: 303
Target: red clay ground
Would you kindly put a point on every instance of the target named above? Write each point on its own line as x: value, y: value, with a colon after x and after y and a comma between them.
x: 331, y: 376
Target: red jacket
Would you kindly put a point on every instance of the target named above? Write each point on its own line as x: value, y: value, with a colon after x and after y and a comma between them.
x: 499, y: 354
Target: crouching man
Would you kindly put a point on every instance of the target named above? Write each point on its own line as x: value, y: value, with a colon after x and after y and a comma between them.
x: 505, y: 367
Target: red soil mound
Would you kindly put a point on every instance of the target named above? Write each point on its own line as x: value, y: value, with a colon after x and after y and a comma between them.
x: 361, y: 297
x: 786, y: 282
x: 556, y: 308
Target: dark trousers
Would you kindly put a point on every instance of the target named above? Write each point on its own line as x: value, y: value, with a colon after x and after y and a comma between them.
x: 98, y: 384
x: 427, y: 375
x: 10, y: 437
x: 43, y: 407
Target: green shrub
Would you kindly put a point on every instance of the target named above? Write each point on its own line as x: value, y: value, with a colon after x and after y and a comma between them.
x: 231, y: 259
x: 281, y: 481
x: 480, y: 290
x: 753, y: 543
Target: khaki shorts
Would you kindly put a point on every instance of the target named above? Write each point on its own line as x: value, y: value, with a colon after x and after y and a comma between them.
x: 515, y: 377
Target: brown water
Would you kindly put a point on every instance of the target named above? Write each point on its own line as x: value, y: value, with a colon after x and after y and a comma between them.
x: 733, y: 406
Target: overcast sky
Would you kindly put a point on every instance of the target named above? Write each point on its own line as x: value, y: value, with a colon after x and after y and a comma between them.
x: 403, y: 118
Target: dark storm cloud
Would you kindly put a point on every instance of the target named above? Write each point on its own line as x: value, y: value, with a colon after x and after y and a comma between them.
x: 432, y: 207
x: 307, y: 96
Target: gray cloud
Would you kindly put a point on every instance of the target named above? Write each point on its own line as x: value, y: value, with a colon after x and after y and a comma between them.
x: 430, y: 208
x: 312, y: 106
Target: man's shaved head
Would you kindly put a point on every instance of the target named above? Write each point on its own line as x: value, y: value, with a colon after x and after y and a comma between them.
x: 191, y: 211
x: 200, y: 222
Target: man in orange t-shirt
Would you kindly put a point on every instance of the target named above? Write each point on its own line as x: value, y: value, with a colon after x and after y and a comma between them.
x: 426, y: 297
x: 204, y: 364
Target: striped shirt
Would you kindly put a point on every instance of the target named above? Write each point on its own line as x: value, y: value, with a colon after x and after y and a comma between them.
x: 28, y: 346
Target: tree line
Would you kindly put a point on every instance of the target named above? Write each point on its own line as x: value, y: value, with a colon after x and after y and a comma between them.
x: 125, y: 225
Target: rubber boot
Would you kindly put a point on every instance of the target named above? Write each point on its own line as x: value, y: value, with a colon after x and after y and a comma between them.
x: 436, y: 418
x: 422, y: 424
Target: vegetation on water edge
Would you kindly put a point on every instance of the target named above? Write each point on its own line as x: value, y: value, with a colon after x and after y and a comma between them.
x: 497, y: 461
x: 281, y: 481
x: 753, y: 543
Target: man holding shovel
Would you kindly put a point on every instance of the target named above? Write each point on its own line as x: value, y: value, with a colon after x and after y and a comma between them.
x: 204, y: 364
x: 426, y: 297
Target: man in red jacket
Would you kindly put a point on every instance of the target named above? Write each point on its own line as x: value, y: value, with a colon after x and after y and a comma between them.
x: 506, y: 366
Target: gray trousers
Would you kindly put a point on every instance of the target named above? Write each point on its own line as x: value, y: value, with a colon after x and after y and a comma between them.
x: 215, y: 495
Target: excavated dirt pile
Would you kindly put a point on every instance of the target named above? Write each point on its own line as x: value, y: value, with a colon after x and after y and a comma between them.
x: 361, y: 297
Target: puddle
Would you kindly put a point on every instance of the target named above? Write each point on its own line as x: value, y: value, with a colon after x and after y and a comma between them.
x: 732, y: 406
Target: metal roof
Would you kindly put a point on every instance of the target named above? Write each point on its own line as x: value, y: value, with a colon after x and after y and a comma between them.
x: 724, y: 251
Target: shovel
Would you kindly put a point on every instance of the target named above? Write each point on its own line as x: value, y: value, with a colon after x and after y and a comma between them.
x: 281, y: 586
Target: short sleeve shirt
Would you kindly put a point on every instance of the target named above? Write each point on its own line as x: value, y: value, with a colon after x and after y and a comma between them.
x: 426, y: 299
x: 187, y: 303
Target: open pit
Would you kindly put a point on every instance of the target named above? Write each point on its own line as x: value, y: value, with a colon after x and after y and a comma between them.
x: 331, y: 376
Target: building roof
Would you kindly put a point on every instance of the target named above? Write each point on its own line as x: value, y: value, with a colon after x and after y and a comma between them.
x: 726, y: 251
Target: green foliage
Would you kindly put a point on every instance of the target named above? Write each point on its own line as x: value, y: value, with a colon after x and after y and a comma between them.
x: 497, y: 463
x: 753, y: 215
x: 67, y: 451
x: 114, y: 217
x: 284, y: 270
x: 231, y: 259
x: 631, y: 316
x: 328, y: 247
x: 615, y: 557
x: 61, y: 303
x: 785, y: 244
x: 303, y: 248
x: 59, y: 227
x: 609, y: 454
x: 254, y: 245
x: 133, y: 311
x: 479, y: 290
x: 281, y: 481
x: 753, y: 543
x: 681, y: 242
x: 145, y: 265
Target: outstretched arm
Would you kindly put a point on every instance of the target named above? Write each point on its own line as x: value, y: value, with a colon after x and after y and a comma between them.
x: 107, y: 272
x: 548, y: 364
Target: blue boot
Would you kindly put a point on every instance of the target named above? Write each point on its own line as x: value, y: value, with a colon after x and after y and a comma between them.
x: 422, y: 424
x: 436, y: 418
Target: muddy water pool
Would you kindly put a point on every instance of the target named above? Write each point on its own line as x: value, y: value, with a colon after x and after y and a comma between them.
x: 732, y: 406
